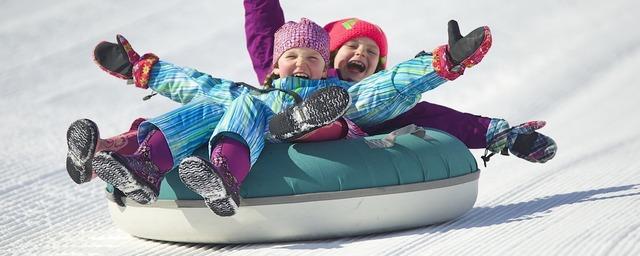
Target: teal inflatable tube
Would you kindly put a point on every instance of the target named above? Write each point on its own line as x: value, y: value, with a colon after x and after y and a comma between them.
x: 350, y: 187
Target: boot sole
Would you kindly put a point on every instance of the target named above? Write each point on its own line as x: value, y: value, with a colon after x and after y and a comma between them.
x: 322, y: 108
x: 82, y: 139
x: 112, y: 170
x: 199, y: 176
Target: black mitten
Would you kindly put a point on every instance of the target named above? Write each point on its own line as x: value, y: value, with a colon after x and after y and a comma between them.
x: 116, y: 59
x: 461, y: 48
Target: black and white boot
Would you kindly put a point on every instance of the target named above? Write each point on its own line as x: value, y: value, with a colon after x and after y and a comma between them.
x: 219, y: 188
x: 137, y: 177
x: 321, y: 108
x: 82, y: 140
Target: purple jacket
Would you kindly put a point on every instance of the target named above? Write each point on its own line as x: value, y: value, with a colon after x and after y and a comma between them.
x: 262, y: 19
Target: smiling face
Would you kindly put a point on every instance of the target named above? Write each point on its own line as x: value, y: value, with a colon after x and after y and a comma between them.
x: 301, y: 62
x: 357, y: 59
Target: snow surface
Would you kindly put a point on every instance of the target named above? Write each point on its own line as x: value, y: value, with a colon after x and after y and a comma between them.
x: 573, y: 64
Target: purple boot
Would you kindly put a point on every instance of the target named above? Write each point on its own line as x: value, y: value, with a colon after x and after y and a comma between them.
x: 138, y: 178
x: 139, y: 175
x: 83, y: 142
x: 218, y: 187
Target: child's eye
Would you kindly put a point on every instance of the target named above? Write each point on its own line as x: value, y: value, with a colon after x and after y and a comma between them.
x: 372, y: 52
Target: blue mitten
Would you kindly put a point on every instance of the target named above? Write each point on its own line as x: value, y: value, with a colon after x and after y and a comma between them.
x: 522, y: 141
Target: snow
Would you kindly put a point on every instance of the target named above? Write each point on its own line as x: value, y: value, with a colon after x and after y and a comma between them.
x: 572, y: 64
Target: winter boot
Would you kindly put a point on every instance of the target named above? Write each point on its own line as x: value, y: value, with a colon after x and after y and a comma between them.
x: 121, y: 61
x: 522, y: 141
x: 219, y: 188
x: 83, y: 141
x: 219, y: 180
x: 321, y: 108
x: 451, y: 60
x: 137, y: 176
x: 333, y: 131
x: 125, y: 143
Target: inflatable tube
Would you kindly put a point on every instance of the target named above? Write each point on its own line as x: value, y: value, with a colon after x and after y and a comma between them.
x: 320, y: 190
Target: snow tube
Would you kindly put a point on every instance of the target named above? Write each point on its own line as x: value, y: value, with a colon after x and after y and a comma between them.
x: 320, y: 190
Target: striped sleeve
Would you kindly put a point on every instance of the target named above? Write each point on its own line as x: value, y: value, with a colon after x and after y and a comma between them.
x: 392, y: 92
x: 182, y: 84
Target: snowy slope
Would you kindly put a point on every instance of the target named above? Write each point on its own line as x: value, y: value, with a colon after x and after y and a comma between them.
x: 571, y: 64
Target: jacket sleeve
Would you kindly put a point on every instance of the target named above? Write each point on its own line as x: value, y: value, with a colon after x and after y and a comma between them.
x: 389, y: 93
x: 182, y: 84
x: 261, y: 20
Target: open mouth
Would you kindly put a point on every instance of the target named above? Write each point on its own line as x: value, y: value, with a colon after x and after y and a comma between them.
x: 301, y: 75
x: 357, y: 66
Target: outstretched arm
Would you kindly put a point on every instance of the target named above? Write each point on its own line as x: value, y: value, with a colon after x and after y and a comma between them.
x: 389, y: 93
x: 261, y: 20
x: 182, y: 84
x: 392, y: 92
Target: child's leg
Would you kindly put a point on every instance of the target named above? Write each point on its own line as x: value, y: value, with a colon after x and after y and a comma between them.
x: 83, y: 141
x: 218, y: 179
x: 138, y: 175
x: 231, y: 153
x: 235, y: 145
x: 182, y: 131
x: 477, y: 132
x: 334, y: 131
x: 187, y: 127
x: 125, y: 143
x: 470, y: 129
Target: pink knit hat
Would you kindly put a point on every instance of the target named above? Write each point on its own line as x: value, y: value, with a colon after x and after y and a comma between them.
x: 304, y: 34
x: 341, y: 31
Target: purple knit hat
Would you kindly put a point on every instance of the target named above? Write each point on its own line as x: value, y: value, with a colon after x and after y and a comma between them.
x: 304, y: 34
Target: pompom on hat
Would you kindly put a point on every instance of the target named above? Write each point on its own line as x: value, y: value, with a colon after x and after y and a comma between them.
x: 303, y: 34
x: 341, y: 31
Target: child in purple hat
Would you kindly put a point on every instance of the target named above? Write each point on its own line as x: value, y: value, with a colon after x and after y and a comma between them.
x: 301, y: 49
x: 304, y: 42
x: 229, y: 116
